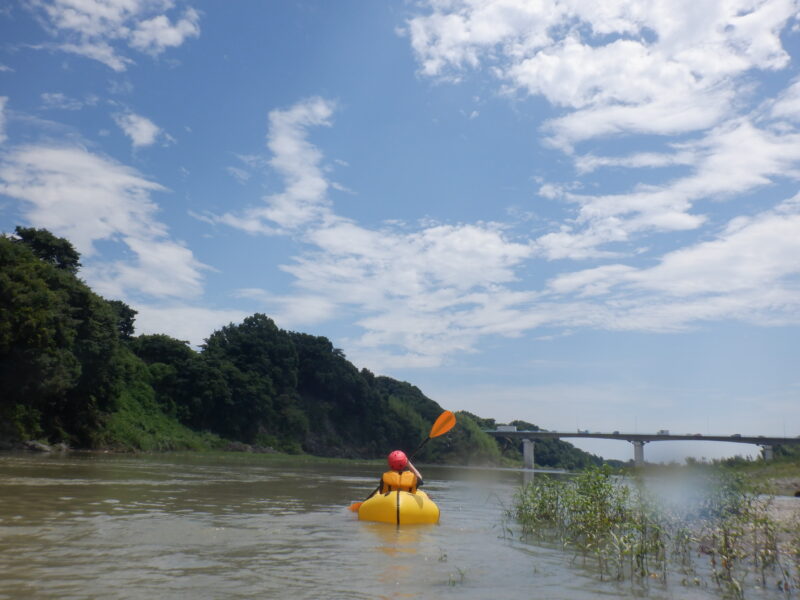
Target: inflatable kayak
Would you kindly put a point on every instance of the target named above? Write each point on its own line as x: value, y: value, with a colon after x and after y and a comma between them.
x: 400, y: 508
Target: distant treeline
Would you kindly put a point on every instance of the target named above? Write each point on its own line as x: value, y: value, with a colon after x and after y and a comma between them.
x: 72, y: 371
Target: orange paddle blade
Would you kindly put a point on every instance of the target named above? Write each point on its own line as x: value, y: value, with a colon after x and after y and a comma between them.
x: 355, y: 506
x: 443, y: 424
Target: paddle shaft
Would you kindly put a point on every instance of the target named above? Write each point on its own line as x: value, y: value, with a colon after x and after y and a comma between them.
x: 418, y: 448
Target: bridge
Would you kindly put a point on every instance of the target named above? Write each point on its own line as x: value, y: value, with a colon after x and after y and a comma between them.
x: 637, y: 439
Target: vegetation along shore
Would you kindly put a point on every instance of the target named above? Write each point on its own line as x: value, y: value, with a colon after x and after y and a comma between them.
x: 701, y: 526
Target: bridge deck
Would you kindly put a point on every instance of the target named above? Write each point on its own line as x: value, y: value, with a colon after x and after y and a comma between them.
x: 647, y: 437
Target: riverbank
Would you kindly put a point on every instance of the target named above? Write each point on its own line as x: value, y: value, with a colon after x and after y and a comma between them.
x: 781, y: 477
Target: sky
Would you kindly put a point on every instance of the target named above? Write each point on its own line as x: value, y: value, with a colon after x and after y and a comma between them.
x: 582, y: 215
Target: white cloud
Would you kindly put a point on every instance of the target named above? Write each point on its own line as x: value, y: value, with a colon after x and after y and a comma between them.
x: 141, y: 130
x: 57, y: 100
x: 663, y: 116
x: 100, y: 51
x: 422, y: 302
x: 88, y: 198
x: 96, y: 28
x: 291, y: 311
x: 423, y: 294
x: 415, y: 290
x: 184, y: 322
x: 748, y: 273
x: 731, y: 160
x: 751, y: 254
x: 588, y: 162
x: 617, y: 67
x: 238, y: 174
x: 304, y: 200
x: 162, y: 268
x: 787, y: 105
x: 622, y: 68
x: 157, y: 34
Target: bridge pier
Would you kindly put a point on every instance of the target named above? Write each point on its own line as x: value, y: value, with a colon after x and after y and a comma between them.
x: 638, y: 453
x: 766, y: 452
x: 527, y: 453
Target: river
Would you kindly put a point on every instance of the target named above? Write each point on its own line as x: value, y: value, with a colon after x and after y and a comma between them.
x: 255, y: 526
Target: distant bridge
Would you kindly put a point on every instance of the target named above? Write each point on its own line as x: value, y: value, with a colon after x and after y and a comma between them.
x: 637, y: 439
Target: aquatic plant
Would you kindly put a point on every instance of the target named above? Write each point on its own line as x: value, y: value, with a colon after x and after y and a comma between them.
x: 719, y: 532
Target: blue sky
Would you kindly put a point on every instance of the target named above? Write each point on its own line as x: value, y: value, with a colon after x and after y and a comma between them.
x: 583, y: 215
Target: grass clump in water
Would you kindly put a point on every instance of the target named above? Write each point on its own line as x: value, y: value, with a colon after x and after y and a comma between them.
x: 709, y: 529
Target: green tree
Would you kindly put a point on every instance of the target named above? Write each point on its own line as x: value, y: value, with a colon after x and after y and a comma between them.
x: 125, y: 316
x: 259, y: 363
x: 58, y: 342
x: 51, y: 249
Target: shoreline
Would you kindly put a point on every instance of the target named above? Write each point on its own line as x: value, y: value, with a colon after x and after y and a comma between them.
x: 780, y: 479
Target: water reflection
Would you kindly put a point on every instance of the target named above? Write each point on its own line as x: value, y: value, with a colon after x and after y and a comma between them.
x: 393, y: 540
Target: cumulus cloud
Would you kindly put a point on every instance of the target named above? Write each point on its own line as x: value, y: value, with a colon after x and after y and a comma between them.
x: 89, y: 198
x: 619, y: 67
x: 97, y: 29
x: 141, y: 130
x: 676, y: 70
x: 155, y: 35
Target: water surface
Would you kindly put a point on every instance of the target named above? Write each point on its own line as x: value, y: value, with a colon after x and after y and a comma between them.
x: 250, y: 526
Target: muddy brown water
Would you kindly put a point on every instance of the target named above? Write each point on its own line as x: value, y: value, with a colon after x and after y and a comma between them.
x: 248, y: 526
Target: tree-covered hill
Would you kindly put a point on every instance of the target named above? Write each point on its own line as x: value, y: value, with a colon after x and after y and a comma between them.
x: 72, y: 371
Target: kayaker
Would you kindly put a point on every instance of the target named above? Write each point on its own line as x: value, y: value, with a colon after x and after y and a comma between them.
x: 403, y: 475
x: 396, y: 499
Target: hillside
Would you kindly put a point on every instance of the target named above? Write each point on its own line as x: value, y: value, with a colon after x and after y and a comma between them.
x: 74, y: 372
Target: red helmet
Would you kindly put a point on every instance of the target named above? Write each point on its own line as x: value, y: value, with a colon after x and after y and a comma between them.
x: 398, y: 460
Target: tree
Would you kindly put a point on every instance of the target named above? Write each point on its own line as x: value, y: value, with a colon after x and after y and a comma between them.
x: 49, y: 248
x: 60, y: 365
x: 258, y: 362
x: 125, y: 317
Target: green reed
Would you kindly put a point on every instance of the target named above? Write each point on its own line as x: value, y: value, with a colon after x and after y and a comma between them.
x: 723, y: 535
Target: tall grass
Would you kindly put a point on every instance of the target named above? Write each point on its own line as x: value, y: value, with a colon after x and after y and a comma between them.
x: 716, y: 532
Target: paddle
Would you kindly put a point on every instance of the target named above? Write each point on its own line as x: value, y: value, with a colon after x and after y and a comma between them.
x: 442, y: 425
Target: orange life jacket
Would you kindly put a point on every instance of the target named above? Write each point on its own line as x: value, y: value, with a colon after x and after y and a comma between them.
x: 404, y: 481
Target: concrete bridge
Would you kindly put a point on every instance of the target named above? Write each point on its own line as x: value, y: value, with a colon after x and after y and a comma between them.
x: 637, y: 439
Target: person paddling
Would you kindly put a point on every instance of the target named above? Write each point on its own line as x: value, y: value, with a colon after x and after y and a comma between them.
x: 403, y: 475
